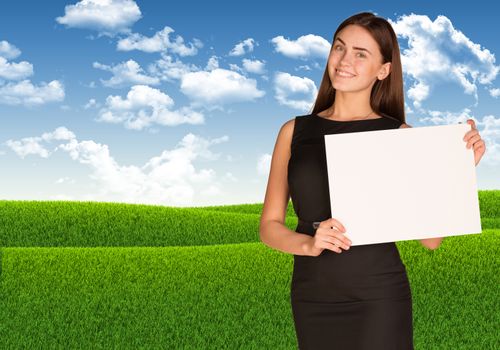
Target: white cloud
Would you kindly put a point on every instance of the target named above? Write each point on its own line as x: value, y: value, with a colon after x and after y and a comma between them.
x: 126, y: 74
x: 243, y: 47
x: 145, y: 106
x: 15, y: 71
x: 218, y: 87
x: 32, y: 145
x: 159, y: 42
x: 92, y: 104
x: 254, y: 66
x: 264, y: 164
x: 8, y: 50
x: 306, y: 46
x: 236, y: 68
x: 207, y: 88
x: 169, y: 70
x: 213, y: 63
x: 418, y: 92
x: 168, y: 179
x: 304, y: 67
x: 489, y: 129
x: 495, y: 92
x: 437, y: 52
x: 28, y: 145
x: 24, y: 92
x: 294, y: 92
x: 108, y: 17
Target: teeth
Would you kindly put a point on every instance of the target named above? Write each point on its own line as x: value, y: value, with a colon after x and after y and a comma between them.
x: 344, y: 74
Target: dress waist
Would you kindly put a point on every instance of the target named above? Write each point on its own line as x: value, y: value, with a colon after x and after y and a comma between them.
x: 308, y: 224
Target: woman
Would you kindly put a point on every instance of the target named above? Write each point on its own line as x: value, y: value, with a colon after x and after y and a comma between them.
x: 342, y: 297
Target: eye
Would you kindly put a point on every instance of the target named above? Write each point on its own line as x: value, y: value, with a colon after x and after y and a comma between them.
x: 338, y: 47
x: 361, y: 54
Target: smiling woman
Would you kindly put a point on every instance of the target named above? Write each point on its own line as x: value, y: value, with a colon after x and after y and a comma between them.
x: 342, y: 297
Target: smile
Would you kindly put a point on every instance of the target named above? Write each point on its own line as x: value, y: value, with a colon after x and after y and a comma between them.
x: 344, y: 74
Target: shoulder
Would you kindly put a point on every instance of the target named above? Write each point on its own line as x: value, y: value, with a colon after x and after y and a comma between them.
x: 287, y: 128
x: 285, y: 134
x: 404, y: 125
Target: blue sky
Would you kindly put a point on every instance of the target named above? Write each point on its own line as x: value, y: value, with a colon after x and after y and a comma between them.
x: 180, y: 103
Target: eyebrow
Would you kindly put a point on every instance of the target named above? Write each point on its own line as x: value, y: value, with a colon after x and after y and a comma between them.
x: 355, y: 48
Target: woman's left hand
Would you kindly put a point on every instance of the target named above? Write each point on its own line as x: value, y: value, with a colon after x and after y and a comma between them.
x: 473, y: 139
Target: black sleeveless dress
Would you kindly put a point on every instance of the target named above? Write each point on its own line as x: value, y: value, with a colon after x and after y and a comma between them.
x: 359, y: 299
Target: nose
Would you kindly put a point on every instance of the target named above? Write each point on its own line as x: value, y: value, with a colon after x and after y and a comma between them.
x: 345, y: 59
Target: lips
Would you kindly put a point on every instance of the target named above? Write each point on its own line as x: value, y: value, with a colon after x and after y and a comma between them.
x: 344, y: 74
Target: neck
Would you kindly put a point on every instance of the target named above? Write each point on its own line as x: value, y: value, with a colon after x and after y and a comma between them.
x: 351, y: 105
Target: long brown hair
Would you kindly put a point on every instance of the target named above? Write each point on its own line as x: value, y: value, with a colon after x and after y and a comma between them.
x: 387, y: 95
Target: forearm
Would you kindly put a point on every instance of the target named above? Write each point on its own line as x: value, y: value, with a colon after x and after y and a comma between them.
x: 276, y: 235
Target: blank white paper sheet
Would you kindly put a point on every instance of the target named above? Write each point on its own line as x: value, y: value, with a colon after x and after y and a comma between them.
x: 403, y: 184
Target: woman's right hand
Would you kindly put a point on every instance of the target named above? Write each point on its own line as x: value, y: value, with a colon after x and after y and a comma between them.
x: 329, y: 235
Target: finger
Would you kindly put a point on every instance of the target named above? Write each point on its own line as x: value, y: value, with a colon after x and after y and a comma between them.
x: 336, y: 223
x: 473, y: 140
x: 334, y: 248
x: 469, y: 134
x: 338, y: 241
x: 479, y: 144
x: 330, y: 246
x: 342, y: 238
x: 472, y: 123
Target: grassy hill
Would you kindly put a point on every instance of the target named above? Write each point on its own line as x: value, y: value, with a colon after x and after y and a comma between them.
x: 108, y: 275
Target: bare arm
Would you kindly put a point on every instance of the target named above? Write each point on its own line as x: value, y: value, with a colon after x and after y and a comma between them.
x: 430, y: 243
x: 272, y: 229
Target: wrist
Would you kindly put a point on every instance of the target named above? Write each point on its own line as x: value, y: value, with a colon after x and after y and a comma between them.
x: 307, y: 245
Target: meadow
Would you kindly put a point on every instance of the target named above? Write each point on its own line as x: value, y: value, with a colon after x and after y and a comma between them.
x: 107, y: 275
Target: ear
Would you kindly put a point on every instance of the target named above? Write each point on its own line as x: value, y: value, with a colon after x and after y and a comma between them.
x: 385, y: 70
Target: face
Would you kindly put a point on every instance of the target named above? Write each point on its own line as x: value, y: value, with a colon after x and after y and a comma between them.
x: 357, y: 55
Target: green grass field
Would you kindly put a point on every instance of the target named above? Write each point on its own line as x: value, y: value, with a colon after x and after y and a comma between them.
x: 91, y: 275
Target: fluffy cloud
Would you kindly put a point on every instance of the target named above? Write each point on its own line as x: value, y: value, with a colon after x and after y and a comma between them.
x: 12, y: 70
x: 170, y: 178
x: 169, y: 70
x: 91, y: 104
x: 255, y: 66
x: 126, y: 74
x: 160, y: 42
x: 437, y: 52
x: 33, y: 145
x: 8, y: 50
x: 108, y: 17
x: 294, y: 92
x: 243, y: 47
x: 495, y: 92
x: 489, y: 128
x: 218, y: 87
x: 15, y: 71
x: 211, y: 87
x: 145, y: 106
x: 24, y: 92
x: 305, y: 47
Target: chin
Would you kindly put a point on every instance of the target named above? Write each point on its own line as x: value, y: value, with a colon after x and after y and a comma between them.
x: 348, y: 87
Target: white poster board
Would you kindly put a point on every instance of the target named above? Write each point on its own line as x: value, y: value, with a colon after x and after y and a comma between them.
x: 403, y: 184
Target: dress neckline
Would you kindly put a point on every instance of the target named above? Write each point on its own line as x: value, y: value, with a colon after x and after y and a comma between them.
x: 344, y: 121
